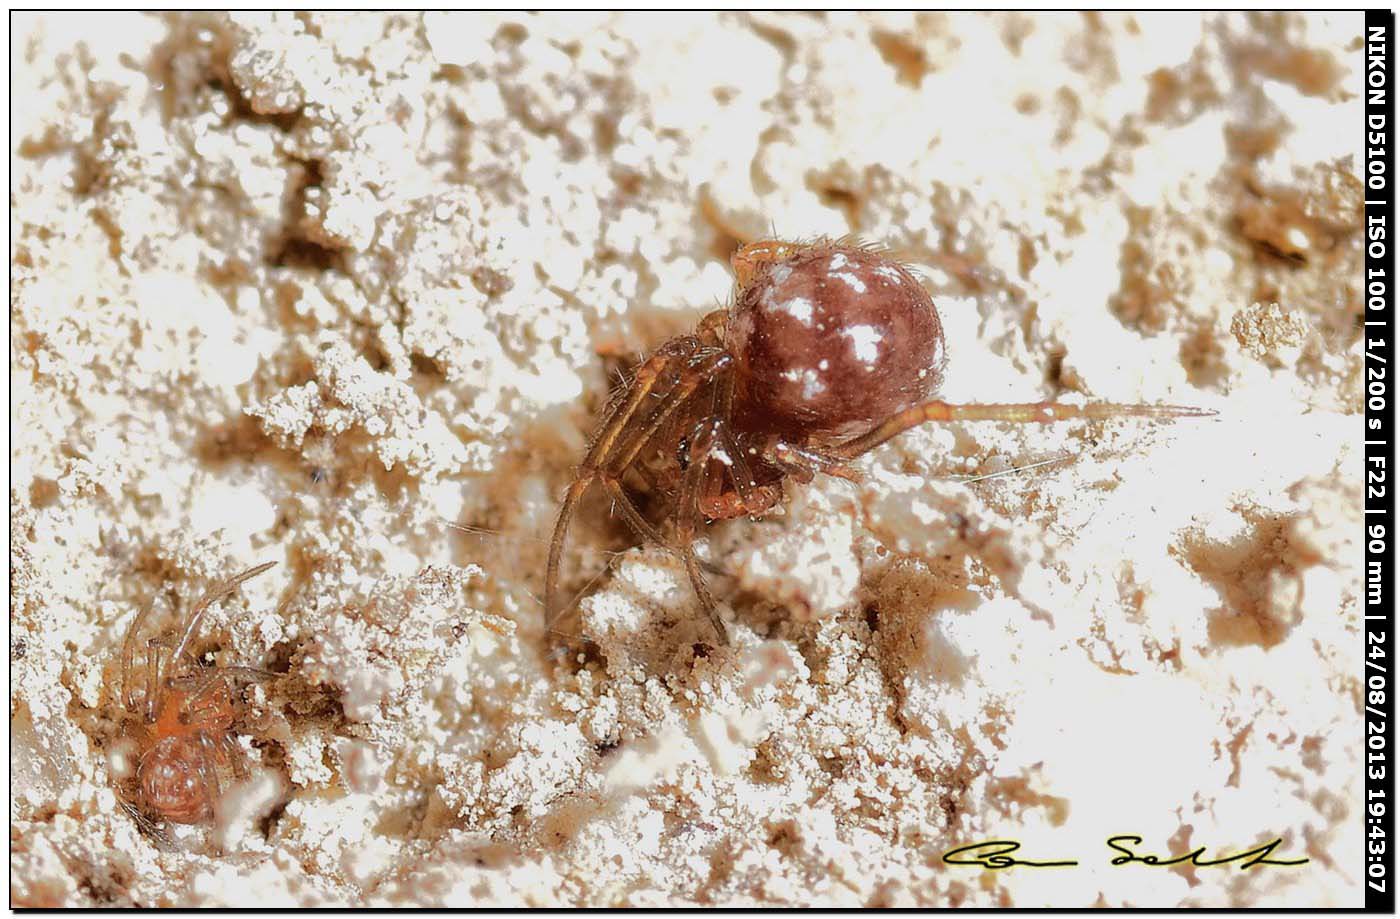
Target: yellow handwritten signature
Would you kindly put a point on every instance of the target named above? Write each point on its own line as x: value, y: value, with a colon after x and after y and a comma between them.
x: 996, y: 854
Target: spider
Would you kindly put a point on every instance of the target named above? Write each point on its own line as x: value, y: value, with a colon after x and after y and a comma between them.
x: 830, y: 349
x: 180, y: 716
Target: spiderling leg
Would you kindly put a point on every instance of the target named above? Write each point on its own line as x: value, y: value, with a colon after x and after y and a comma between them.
x: 234, y: 755
x: 208, y: 769
x: 153, y: 679
x: 128, y: 655
x: 216, y: 593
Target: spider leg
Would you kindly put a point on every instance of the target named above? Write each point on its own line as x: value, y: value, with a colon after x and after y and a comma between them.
x: 739, y: 469
x: 154, y: 829
x: 702, y: 447
x: 234, y: 756
x: 556, y: 543
x: 694, y: 375
x: 252, y: 674
x: 200, y: 680
x: 201, y: 701
x: 216, y: 593
x: 642, y: 384
x: 803, y: 463
x: 153, y: 680
x: 667, y: 512
x: 620, y: 439
x: 633, y: 517
x: 969, y: 479
x: 644, y: 530
x: 208, y: 769
x: 1019, y: 412
x: 193, y: 681
x: 128, y: 655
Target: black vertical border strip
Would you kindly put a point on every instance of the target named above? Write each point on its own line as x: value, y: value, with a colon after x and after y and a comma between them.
x: 1378, y: 823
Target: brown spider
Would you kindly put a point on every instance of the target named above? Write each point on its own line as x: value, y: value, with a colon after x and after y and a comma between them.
x: 830, y: 349
x: 180, y: 717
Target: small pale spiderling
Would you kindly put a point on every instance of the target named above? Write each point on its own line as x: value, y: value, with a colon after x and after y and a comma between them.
x: 180, y: 714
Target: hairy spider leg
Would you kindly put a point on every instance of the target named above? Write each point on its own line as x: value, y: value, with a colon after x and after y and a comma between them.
x: 704, y: 439
x: 701, y: 370
x: 739, y: 468
x: 1020, y: 412
x: 642, y: 384
x: 198, y: 681
x: 633, y: 517
x: 748, y: 498
x: 601, y: 462
x: 705, y: 367
x: 969, y: 479
x: 741, y: 472
x: 643, y: 528
x: 252, y: 674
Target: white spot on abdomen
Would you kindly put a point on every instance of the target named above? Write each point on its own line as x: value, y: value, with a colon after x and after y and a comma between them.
x: 799, y: 308
x: 811, y: 381
x: 853, y: 282
x: 865, y: 343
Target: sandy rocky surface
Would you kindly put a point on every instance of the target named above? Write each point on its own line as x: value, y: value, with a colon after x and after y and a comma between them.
x: 306, y: 288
